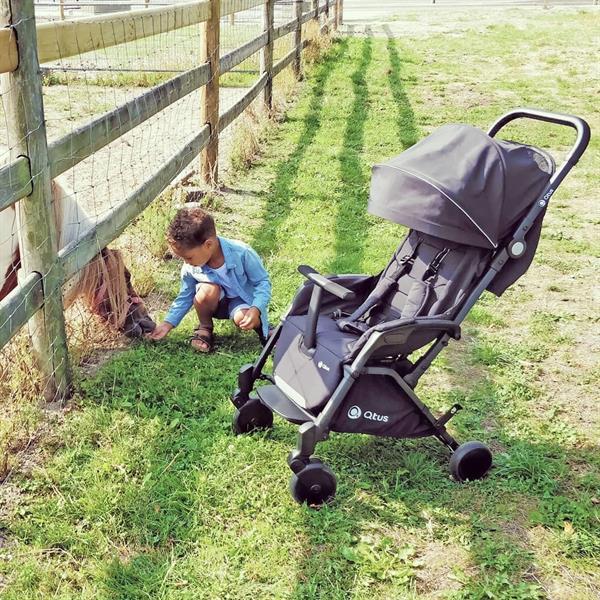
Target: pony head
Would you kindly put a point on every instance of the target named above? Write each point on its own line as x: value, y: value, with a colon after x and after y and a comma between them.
x: 104, y: 283
x: 106, y: 287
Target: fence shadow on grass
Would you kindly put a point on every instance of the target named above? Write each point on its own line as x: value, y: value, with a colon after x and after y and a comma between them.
x: 408, y: 133
x: 351, y: 227
x: 278, y: 205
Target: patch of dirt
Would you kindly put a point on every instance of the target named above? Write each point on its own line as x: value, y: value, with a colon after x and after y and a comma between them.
x: 557, y: 579
x: 441, y: 562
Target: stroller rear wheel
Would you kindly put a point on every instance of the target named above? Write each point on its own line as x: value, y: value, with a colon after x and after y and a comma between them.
x: 314, y: 485
x: 470, y: 461
x: 251, y: 416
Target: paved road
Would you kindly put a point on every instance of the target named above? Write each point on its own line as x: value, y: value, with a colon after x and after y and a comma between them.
x: 375, y: 11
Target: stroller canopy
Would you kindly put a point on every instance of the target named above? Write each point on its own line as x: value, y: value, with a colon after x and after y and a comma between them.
x: 461, y: 185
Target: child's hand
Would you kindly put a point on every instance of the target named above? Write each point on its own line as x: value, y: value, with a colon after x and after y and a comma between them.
x: 251, y: 319
x: 161, y: 331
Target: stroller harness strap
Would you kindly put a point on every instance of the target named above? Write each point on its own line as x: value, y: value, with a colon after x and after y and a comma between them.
x: 419, y: 292
x: 383, y: 287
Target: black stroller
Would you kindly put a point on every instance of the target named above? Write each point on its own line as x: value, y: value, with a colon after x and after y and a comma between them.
x: 342, y: 353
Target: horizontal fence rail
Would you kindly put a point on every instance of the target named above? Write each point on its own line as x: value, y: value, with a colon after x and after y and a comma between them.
x: 19, y: 306
x: 83, y: 142
x: 8, y: 50
x: 62, y: 39
x: 78, y: 253
x: 15, y: 182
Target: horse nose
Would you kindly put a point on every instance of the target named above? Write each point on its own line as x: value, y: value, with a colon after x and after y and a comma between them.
x: 147, y: 324
x: 133, y: 331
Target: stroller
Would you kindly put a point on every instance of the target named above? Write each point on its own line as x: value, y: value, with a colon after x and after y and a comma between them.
x: 342, y: 353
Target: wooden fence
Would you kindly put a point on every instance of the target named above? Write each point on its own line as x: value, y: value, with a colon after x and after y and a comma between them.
x: 34, y: 162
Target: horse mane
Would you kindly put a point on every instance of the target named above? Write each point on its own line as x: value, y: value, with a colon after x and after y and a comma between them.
x: 10, y: 278
x: 102, y: 283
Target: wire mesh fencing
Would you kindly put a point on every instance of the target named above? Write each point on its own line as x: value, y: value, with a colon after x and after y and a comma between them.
x: 125, y: 103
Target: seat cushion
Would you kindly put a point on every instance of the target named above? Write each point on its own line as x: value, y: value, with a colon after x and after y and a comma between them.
x: 309, y: 378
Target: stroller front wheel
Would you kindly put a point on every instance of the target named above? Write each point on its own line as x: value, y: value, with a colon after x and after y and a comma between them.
x: 314, y: 485
x: 470, y: 461
x: 251, y: 416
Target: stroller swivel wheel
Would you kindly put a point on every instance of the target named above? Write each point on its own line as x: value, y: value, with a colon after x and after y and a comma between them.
x: 470, y: 461
x: 314, y: 485
x: 238, y: 398
x: 251, y: 416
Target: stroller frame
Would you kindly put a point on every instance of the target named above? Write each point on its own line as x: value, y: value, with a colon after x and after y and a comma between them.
x: 312, y: 481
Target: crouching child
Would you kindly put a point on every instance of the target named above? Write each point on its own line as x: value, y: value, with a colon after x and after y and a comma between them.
x: 221, y: 278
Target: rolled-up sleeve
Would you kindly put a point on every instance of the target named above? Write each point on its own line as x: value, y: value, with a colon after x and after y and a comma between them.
x: 184, y: 301
x: 259, y: 277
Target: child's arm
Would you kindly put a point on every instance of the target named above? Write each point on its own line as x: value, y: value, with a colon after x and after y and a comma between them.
x: 258, y: 275
x: 179, y: 307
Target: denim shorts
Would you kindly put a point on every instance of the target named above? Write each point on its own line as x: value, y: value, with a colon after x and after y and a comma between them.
x: 227, y: 307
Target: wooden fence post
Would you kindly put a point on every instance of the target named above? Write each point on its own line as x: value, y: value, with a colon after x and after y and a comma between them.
x: 297, y: 65
x: 314, y: 5
x: 62, y: 9
x: 209, y: 95
x: 326, y: 25
x: 23, y: 101
x: 266, y: 54
x: 336, y: 15
x: 341, y: 13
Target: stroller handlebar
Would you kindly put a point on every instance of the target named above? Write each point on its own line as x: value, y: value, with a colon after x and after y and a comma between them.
x: 581, y: 126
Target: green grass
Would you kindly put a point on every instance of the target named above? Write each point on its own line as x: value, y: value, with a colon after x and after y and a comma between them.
x: 141, y: 491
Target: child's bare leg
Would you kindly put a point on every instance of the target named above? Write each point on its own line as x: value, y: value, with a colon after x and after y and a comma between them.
x: 205, y: 303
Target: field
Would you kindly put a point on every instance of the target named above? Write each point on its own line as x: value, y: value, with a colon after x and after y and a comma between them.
x: 138, y: 489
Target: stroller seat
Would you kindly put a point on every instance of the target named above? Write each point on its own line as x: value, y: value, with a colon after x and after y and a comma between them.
x: 426, y: 277
x: 308, y: 377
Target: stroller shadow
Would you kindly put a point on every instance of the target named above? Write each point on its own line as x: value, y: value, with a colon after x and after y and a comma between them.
x: 389, y: 484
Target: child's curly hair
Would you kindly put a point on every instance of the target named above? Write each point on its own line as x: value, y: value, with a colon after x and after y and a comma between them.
x: 190, y: 228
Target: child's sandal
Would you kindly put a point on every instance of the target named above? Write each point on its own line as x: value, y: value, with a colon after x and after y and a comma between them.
x: 204, y: 335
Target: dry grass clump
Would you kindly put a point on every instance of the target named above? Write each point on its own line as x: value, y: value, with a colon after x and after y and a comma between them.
x: 21, y: 392
x: 284, y: 91
x: 250, y: 132
x: 318, y: 42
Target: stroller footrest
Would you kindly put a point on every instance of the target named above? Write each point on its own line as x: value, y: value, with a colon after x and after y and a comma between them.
x: 278, y: 402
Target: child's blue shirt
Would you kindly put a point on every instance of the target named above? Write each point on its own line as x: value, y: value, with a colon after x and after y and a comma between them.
x: 247, y: 275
